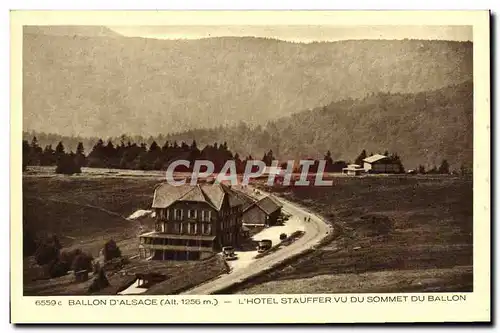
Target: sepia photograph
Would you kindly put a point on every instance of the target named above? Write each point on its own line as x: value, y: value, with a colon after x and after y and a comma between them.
x: 249, y: 159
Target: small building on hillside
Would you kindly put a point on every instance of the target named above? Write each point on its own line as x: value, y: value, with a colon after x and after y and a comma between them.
x: 353, y: 170
x: 381, y: 164
x: 264, y: 212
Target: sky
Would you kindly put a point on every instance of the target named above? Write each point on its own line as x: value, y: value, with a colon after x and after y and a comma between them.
x: 301, y: 33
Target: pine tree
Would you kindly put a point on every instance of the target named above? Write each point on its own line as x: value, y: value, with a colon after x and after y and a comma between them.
x: 26, y: 154
x: 444, y: 168
x: 154, y: 147
x: 66, y: 163
x: 34, y: 143
x: 268, y: 158
x: 110, y: 152
x: 48, y: 156
x: 264, y: 158
x: 329, y: 161
x: 59, y: 154
x: 360, y: 158
x: 80, y: 149
x: 80, y: 155
x: 111, y: 250
x: 165, y: 147
x: 35, y: 152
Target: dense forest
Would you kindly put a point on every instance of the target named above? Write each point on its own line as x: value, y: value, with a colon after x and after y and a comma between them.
x: 424, y: 129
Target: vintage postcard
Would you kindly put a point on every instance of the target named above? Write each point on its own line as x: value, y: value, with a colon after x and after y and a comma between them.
x: 250, y: 167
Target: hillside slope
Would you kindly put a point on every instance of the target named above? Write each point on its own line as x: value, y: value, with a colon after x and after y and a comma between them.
x: 423, y: 128
x: 99, y: 84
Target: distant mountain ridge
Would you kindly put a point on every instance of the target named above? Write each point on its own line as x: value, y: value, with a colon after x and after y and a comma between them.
x: 70, y: 30
x: 94, y: 82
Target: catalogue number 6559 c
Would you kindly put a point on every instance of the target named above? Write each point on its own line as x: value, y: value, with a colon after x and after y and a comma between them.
x: 47, y: 302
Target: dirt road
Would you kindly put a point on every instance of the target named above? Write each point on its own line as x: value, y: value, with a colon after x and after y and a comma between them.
x: 315, y: 230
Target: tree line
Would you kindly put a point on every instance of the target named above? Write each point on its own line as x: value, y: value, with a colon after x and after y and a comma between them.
x: 65, y: 162
x: 143, y: 157
x: 140, y: 156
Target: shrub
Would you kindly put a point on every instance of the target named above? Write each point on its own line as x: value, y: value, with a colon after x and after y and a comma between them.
x: 99, y: 282
x: 283, y: 236
x: 57, y: 268
x: 46, y: 253
x: 67, y: 165
x: 115, y: 264
x: 111, y: 250
x: 81, y: 262
x: 67, y: 257
x: 29, y: 243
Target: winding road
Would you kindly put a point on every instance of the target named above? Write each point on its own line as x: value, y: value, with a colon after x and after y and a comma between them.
x: 315, y: 230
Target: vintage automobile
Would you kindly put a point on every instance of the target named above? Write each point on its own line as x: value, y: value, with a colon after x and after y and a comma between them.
x: 264, y: 245
x: 228, y: 253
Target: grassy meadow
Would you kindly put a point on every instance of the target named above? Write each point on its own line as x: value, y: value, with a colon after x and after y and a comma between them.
x: 85, y: 211
x: 392, y: 234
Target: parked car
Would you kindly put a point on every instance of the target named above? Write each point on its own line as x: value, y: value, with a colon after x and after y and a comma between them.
x: 264, y: 245
x: 228, y: 253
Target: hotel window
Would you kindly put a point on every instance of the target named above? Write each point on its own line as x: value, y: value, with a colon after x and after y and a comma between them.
x: 191, y: 214
x: 208, y: 229
x: 178, y: 214
x: 205, y: 215
x: 191, y: 228
x: 167, y: 213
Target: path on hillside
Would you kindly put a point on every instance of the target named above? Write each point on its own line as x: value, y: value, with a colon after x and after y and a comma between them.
x: 315, y: 231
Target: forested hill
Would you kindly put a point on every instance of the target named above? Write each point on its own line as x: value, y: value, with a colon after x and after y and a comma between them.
x: 95, y: 83
x: 422, y: 128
